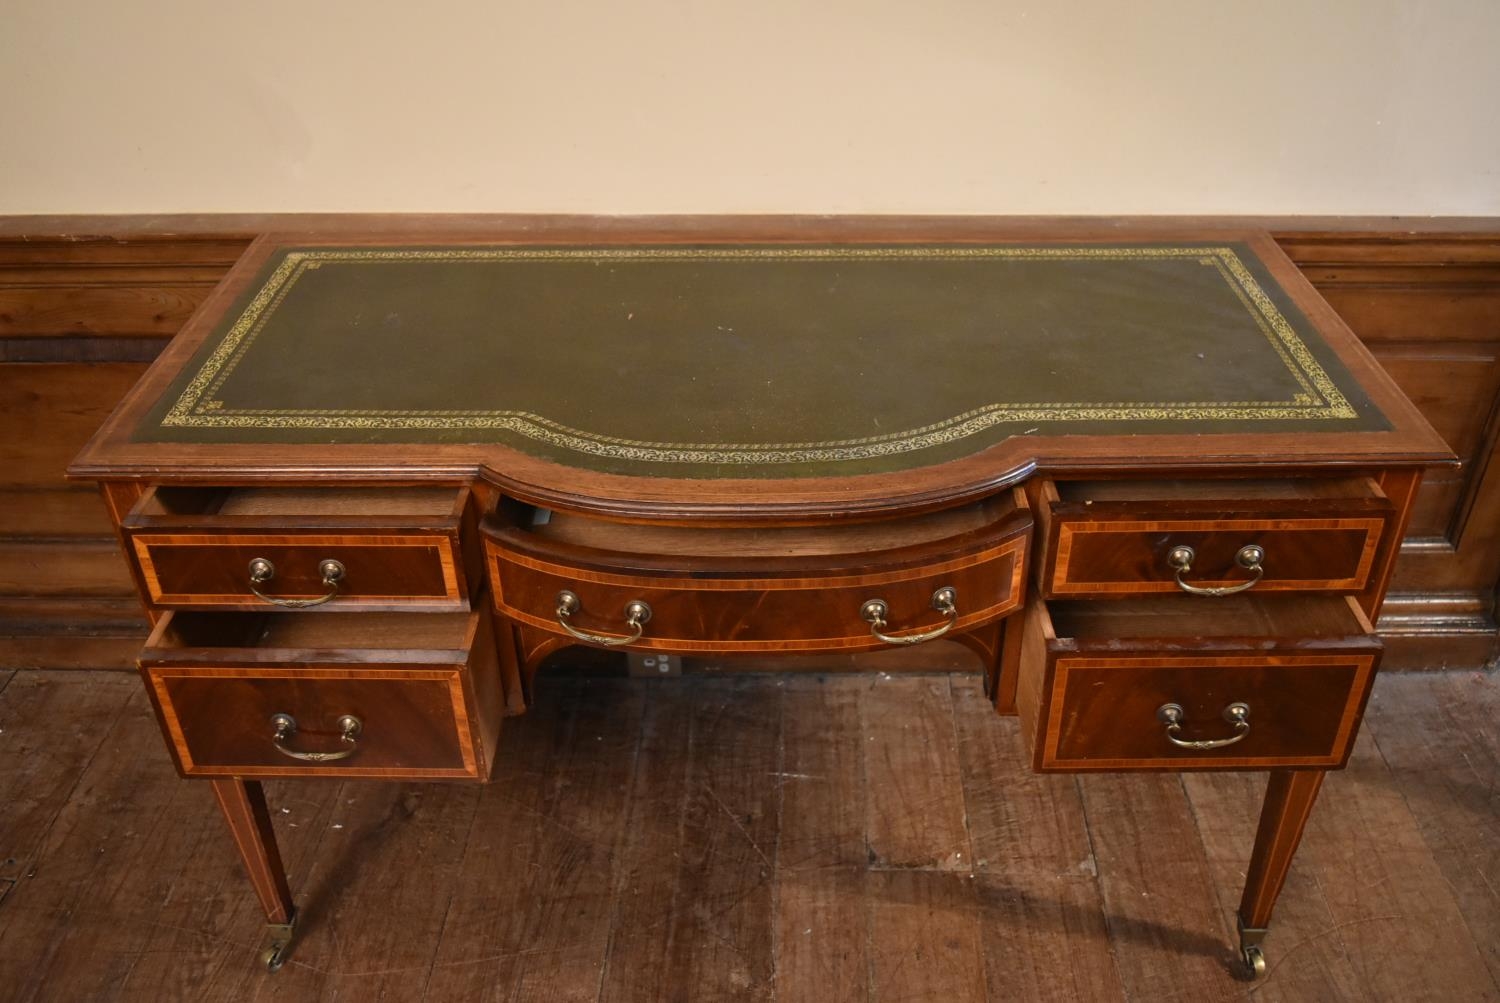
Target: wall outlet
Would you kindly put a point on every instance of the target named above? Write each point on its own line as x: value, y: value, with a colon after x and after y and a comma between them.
x: 649, y: 663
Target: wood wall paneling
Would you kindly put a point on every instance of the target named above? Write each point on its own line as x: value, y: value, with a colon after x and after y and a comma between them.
x: 80, y: 317
x: 1428, y: 307
x: 79, y: 321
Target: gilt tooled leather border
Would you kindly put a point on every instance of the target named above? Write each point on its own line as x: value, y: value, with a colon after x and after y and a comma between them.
x: 198, y: 406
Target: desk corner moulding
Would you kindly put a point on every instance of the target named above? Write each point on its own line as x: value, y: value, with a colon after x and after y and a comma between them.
x: 1150, y: 480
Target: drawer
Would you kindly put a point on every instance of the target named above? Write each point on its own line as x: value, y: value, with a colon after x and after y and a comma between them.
x: 425, y: 690
x: 1094, y: 678
x: 1105, y: 539
x: 763, y: 589
x: 395, y: 548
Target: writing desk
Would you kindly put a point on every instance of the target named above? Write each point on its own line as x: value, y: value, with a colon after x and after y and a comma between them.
x: 1151, y: 481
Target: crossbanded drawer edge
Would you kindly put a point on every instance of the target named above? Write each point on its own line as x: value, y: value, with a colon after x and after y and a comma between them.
x: 452, y: 676
x: 142, y: 544
x: 1364, y: 665
x: 1058, y: 585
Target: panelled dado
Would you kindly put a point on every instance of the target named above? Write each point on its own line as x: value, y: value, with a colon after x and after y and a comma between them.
x: 1155, y: 484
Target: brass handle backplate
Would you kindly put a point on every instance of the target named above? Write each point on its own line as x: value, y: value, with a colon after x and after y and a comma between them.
x: 286, y: 727
x: 944, y: 600
x: 262, y: 571
x: 637, y: 614
x: 1170, y: 714
x: 1250, y: 557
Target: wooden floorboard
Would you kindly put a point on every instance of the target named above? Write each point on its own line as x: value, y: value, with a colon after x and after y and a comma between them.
x: 721, y: 935
x: 755, y: 837
x: 648, y: 887
x: 1170, y: 941
x: 1439, y: 740
x: 1042, y: 921
x: 1306, y: 960
x: 822, y: 860
x: 487, y: 926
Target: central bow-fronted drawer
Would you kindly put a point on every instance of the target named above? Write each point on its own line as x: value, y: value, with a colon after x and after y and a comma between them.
x: 814, y: 588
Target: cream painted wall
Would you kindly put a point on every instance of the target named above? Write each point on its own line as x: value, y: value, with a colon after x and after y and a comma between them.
x: 1089, y: 106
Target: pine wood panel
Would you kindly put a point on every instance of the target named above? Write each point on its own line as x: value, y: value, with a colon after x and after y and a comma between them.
x: 60, y: 288
x: 57, y: 514
x: 88, y: 567
x: 50, y: 410
x: 1428, y: 305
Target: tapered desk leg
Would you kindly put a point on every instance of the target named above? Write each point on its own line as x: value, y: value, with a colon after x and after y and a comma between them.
x: 243, y: 803
x: 1289, y: 801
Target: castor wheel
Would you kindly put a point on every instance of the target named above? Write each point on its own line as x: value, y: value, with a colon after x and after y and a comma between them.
x: 277, y: 945
x: 1255, y: 961
x: 272, y: 957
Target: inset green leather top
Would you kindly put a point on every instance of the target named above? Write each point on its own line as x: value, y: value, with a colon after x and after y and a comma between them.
x: 757, y: 361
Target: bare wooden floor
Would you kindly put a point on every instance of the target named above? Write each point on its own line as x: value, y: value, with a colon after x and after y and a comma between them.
x: 760, y: 837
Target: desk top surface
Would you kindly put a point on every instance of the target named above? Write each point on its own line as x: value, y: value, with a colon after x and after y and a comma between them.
x: 730, y: 362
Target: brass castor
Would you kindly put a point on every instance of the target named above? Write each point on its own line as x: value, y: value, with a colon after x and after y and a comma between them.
x: 1250, y: 950
x: 278, y: 944
x: 272, y: 957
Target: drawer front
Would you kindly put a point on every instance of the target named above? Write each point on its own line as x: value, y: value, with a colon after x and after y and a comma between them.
x: 1101, y: 558
x: 1115, y: 548
x: 1104, y: 693
x: 412, y: 722
x: 1302, y: 711
x: 385, y: 571
x: 766, y: 612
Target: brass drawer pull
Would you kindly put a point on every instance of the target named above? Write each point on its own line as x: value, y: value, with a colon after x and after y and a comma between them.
x: 637, y: 613
x: 1180, y: 559
x: 1170, y: 714
x: 944, y: 600
x: 286, y: 727
x: 262, y: 571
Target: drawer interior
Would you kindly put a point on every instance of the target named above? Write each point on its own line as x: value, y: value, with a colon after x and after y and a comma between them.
x: 795, y: 541
x: 362, y: 637
x: 1287, y: 489
x: 165, y: 501
x: 1120, y: 621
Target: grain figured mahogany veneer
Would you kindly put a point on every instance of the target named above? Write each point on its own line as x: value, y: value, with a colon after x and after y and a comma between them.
x: 377, y: 480
x: 395, y: 548
x: 1114, y: 538
x: 1095, y: 677
x: 423, y: 689
x: 790, y: 589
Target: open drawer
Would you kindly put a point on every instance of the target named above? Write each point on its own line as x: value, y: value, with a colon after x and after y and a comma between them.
x: 380, y: 695
x: 1108, y: 539
x: 830, y: 587
x: 264, y: 548
x: 1173, y: 683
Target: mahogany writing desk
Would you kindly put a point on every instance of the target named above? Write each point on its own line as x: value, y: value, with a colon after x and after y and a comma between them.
x: 1152, y: 482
